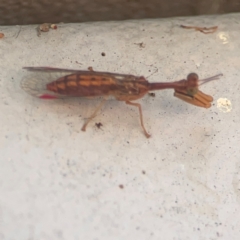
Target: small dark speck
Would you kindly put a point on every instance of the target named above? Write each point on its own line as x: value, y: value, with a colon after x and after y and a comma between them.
x: 143, y: 172
x: 121, y: 186
x: 128, y: 142
x: 98, y: 125
x: 103, y: 54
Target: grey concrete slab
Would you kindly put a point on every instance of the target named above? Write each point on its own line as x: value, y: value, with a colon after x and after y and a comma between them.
x: 57, y: 182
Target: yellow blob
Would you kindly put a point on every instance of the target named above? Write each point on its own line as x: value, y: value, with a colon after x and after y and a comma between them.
x: 224, y: 105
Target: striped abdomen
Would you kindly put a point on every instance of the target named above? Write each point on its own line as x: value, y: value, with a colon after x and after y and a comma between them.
x: 83, y: 85
x: 91, y: 85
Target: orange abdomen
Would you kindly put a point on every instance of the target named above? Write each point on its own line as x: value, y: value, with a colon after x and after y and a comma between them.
x: 83, y: 85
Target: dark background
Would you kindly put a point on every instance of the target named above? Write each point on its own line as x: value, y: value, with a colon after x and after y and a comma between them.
x: 40, y: 11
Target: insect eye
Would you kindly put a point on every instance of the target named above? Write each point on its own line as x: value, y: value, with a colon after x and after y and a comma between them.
x: 192, y: 80
x: 192, y: 76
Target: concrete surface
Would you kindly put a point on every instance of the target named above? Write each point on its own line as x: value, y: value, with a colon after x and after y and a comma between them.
x: 57, y: 182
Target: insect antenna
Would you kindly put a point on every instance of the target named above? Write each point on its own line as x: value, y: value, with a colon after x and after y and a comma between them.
x: 206, y: 80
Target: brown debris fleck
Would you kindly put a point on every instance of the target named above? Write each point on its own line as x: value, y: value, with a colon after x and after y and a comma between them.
x: 152, y: 94
x: 98, y: 125
x: 53, y: 26
x: 90, y: 69
x: 45, y: 28
x: 204, y: 30
x: 1, y: 35
x: 141, y: 44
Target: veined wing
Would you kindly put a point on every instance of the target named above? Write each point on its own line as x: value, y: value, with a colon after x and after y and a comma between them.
x: 35, y: 83
x: 74, y: 83
x: 69, y: 71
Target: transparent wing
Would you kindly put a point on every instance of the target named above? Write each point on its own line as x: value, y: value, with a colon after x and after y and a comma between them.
x: 51, y: 69
x: 69, y: 71
x: 36, y: 82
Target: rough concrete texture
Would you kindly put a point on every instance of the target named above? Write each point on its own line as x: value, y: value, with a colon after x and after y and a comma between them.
x: 57, y: 182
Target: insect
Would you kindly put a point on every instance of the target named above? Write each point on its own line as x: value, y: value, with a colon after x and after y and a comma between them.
x: 54, y: 83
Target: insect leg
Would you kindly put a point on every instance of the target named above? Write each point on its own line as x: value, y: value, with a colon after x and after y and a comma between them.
x: 93, y: 115
x: 141, y: 116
